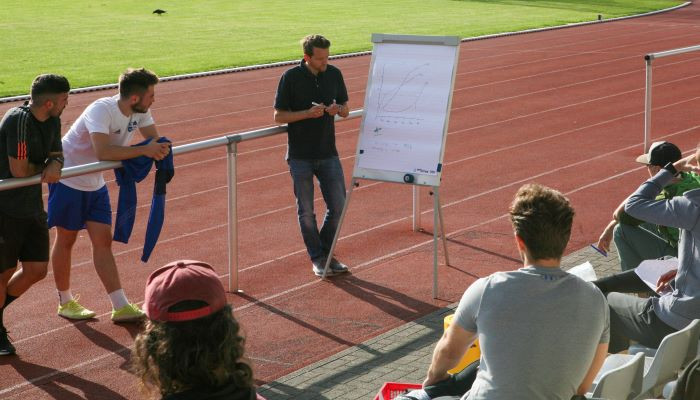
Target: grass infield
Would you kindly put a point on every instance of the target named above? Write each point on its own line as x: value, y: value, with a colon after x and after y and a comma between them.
x: 92, y: 41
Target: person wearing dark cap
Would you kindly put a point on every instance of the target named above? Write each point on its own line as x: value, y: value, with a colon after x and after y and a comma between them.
x: 676, y: 301
x: 191, y: 347
x: 638, y: 240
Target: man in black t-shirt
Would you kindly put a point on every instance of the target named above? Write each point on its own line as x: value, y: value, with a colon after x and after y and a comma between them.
x: 309, y: 96
x: 30, y: 144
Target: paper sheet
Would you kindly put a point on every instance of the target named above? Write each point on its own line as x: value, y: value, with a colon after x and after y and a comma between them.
x: 584, y: 271
x: 651, y: 270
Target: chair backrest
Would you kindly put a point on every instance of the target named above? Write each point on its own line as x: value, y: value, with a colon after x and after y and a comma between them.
x: 623, y: 382
x: 669, y: 358
x: 693, y: 350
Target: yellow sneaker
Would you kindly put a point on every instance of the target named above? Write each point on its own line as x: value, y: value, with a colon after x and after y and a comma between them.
x: 130, y: 312
x: 73, y: 310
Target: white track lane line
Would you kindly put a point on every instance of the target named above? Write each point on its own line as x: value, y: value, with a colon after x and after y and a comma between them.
x: 506, y: 148
x: 372, y: 261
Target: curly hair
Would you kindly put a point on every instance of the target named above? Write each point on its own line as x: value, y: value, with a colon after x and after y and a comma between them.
x: 170, y: 357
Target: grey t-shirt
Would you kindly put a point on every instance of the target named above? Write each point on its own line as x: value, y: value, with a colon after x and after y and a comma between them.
x: 538, y: 331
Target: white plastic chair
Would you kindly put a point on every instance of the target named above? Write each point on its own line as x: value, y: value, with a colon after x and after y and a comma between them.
x: 693, y: 348
x: 664, y: 366
x: 621, y: 382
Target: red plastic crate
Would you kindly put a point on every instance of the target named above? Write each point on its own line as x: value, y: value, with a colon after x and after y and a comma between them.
x: 392, y: 390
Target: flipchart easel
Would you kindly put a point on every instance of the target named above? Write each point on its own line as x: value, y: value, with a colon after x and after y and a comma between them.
x: 405, y: 120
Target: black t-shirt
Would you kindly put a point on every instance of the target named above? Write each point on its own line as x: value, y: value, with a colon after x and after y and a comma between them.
x: 23, y: 137
x: 311, y: 138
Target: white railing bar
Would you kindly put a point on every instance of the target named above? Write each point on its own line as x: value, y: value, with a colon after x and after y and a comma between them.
x: 13, y: 183
x: 673, y: 52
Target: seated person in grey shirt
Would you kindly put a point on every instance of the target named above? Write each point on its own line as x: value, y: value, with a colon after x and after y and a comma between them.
x: 543, y: 332
x: 649, y: 320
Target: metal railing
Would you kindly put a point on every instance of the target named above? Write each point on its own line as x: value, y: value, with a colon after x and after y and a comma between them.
x: 648, y: 59
x: 230, y: 141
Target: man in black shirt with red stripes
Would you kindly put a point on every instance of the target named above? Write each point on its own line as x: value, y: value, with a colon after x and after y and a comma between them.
x: 30, y: 144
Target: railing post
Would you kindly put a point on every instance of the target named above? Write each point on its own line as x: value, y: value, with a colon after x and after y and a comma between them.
x: 232, y: 218
x: 647, y: 103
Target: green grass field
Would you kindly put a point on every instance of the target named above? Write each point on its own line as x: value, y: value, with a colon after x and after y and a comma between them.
x: 92, y: 41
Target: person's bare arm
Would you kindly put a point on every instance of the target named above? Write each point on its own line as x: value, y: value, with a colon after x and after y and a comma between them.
x: 52, y: 171
x: 109, y: 152
x: 149, y: 131
x: 598, y: 359
x: 448, y: 352
x: 23, y: 168
x: 606, y: 237
x: 285, y: 117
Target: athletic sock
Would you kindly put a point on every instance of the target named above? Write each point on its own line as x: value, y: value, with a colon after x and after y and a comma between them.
x: 64, y: 296
x: 118, y: 299
x: 8, y: 299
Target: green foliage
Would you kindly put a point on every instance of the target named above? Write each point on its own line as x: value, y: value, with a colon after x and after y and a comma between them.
x: 92, y: 41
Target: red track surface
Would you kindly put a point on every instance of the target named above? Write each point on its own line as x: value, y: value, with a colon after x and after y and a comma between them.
x: 562, y: 107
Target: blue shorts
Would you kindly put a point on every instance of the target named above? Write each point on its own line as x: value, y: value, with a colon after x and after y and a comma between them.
x: 70, y: 208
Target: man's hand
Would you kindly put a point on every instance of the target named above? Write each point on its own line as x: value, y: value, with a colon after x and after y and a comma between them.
x: 333, y: 109
x: 52, y: 172
x: 432, y: 380
x: 606, y: 237
x: 156, y: 151
x: 316, y: 111
x: 689, y: 164
x: 664, y: 281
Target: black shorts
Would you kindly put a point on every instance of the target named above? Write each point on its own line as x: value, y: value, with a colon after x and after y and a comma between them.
x: 23, y: 239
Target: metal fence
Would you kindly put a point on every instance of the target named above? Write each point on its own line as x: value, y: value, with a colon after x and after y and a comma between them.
x: 648, y: 59
x: 230, y: 141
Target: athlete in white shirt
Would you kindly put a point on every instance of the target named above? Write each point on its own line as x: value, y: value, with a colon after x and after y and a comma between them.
x: 102, y: 132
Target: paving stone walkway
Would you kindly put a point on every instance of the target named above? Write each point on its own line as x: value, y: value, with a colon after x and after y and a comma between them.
x: 402, y: 354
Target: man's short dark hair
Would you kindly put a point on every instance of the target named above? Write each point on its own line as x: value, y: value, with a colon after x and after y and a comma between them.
x: 46, y: 85
x: 542, y: 217
x: 136, y: 81
x: 309, y: 42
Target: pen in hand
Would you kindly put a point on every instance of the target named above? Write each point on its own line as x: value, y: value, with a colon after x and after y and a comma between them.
x: 603, y: 253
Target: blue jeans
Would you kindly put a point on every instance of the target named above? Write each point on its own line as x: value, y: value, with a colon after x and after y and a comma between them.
x: 329, y: 173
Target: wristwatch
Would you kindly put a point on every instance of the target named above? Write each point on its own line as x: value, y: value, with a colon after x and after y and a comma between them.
x: 55, y: 158
x: 670, y: 168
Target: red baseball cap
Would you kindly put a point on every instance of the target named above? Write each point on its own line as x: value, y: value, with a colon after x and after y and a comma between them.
x: 180, y: 281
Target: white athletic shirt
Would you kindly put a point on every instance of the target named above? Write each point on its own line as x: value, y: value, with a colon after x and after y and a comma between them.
x: 100, y: 117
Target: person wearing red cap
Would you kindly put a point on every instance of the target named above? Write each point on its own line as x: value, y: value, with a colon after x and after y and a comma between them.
x: 191, y: 347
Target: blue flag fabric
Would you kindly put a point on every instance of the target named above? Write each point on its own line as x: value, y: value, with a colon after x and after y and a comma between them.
x: 132, y: 171
x: 165, y: 170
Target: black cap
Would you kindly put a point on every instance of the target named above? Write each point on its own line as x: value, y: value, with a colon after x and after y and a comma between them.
x: 660, y: 154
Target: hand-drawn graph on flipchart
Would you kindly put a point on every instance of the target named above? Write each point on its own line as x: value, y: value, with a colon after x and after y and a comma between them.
x: 410, y: 87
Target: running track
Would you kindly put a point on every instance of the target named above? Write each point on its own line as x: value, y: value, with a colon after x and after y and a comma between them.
x: 562, y: 107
